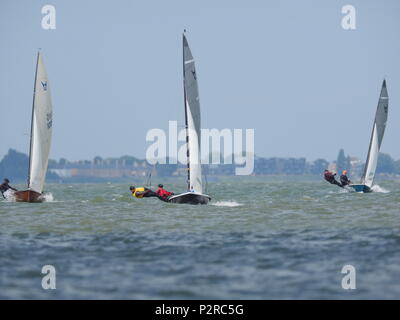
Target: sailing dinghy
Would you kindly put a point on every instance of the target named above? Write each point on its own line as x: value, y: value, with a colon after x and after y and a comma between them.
x: 41, y: 130
x: 194, y: 194
x: 378, y: 131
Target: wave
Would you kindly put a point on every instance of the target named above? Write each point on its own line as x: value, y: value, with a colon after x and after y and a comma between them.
x: 226, y: 204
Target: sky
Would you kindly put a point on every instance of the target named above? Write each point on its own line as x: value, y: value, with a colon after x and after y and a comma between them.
x: 286, y: 69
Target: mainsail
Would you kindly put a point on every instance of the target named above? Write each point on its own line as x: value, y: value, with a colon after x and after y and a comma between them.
x: 378, y: 131
x: 192, y: 119
x: 41, y: 129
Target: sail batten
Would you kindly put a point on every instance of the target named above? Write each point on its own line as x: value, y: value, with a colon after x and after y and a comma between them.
x: 41, y: 129
x: 192, y: 119
x: 378, y: 131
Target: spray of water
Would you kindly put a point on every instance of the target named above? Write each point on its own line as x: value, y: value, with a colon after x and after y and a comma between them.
x: 48, y: 197
x: 226, y: 204
x: 377, y: 188
x: 9, y: 196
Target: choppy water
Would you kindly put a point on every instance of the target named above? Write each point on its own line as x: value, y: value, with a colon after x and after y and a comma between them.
x: 260, y: 239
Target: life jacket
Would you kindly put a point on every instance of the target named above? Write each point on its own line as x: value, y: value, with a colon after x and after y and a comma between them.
x: 138, y: 195
x: 4, y: 187
x: 163, y: 193
x: 328, y: 176
x: 344, y: 179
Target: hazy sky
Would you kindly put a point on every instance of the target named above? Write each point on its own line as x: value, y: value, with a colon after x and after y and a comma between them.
x: 285, y: 68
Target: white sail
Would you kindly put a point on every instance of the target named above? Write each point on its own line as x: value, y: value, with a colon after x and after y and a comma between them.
x: 192, y: 111
x: 41, y: 131
x: 378, y: 131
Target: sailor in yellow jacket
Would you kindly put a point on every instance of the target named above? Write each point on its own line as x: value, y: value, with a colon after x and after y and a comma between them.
x: 142, y: 192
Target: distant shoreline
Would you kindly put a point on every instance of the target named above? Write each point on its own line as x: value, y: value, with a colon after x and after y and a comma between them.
x: 130, y: 169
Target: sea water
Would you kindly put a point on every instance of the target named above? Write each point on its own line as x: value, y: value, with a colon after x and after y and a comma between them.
x: 259, y: 238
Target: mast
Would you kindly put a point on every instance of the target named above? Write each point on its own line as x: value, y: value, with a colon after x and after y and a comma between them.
x: 186, y: 116
x: 33, y: 112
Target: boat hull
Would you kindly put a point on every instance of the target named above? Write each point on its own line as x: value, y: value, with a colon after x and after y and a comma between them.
x: 28, y: 196
x: 190, y: 198
x: 360, y: 188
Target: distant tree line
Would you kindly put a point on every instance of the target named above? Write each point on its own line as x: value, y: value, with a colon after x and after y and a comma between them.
x: 386, y: 164
x: 14, y: 166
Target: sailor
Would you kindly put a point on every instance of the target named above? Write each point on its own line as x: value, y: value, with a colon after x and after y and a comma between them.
x: 162, y: 193
x: 344, y: 180
x: 5, y: 186
x: 142, y: 192
x: 330, y: 177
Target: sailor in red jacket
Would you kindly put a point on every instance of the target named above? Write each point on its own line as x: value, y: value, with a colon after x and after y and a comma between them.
x: 330, y: 177
x: 162, y: 193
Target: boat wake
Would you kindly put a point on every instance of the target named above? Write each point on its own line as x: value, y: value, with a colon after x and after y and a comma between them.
x: 226, y: 204
x: 376, y: 188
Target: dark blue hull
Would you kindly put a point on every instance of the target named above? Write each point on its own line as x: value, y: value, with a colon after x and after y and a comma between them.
x: 360, y: 188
